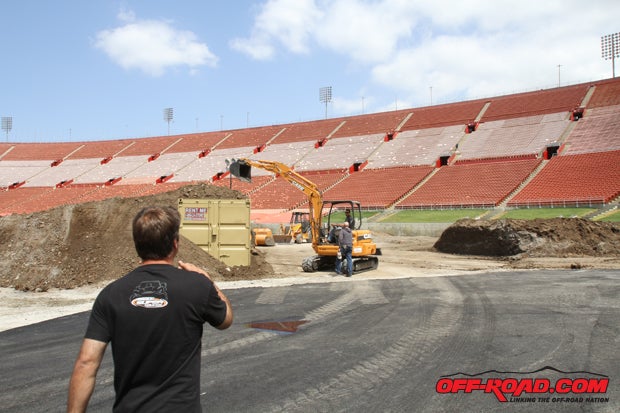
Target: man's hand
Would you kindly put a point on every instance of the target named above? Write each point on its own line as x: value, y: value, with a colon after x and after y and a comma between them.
x: 191, y: 267
x: 229, y: 313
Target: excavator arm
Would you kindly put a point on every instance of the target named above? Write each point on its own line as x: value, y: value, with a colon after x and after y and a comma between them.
x: 364, y: 249
x: 239, y: 169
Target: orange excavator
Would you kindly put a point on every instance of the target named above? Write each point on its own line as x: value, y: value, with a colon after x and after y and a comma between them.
x: 323, y: 234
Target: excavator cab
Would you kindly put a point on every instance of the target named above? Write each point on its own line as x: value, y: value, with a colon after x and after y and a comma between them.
x: 334, y: 213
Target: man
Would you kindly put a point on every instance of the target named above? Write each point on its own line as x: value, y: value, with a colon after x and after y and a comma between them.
x: 153, y: 317
x: 345, y: 241
x: 349, y: 218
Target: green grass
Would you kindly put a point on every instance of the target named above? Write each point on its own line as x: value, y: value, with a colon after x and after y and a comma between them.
x: 615, y: 217
x: 430, y: 216
x: 453, y: 215
x: 338, y: 217
x: 533, y: 213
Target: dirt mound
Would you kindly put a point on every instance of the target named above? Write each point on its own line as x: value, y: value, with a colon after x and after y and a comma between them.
x: 75, y: 245
x: 558, y: 237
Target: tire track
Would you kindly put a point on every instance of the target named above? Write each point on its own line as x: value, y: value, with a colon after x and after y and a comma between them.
x: 415, y: 347
x: 475, y: 332
x: 272, y: 296
x: 335, y: 306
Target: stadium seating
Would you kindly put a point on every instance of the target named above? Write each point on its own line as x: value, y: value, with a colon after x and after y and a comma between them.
x: 247, y: 188
x: 308, y: 131
x: 253, y: 137
x: 22, y: 200
x: 340, y: 153
x: 198, y: 142
x: 596, y: 132
x: 460, y: 113
x: 100, y: 149
x: 606, y: 93
x: 205, y: 168
x: 586, y: 179
x: 287, y: 153
x: 514, y: 136
x: 279, y: 193
x: 484, y: 152
x: 39, y: 152
x: 20, y: 171
x: 416, y: 147
x: 375, y: 123
x: 69, y: 170
x: 379, y: 188
x: 541, y: 102
x: 480, y: 184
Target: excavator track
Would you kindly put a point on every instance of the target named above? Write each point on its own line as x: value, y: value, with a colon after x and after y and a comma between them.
x: 365, y: 264
x: 328, y: 263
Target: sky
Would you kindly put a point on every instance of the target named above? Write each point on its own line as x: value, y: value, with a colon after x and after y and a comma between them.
x: 75, y: 70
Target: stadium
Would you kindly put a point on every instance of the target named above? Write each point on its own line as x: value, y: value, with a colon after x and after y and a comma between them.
x: 550, y: 148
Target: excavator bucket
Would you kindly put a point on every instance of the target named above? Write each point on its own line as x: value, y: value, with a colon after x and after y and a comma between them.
x: 240, y: 169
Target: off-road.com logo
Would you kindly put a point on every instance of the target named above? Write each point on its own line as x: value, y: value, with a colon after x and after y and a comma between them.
x: 510, y: 389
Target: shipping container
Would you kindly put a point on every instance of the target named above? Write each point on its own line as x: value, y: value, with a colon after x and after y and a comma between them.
x: 219, y: 226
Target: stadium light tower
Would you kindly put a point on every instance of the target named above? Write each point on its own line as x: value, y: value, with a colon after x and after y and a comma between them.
x: 610, y: 49
x: 7, y: 125
x: 168, y: 116
x: 325, y: 96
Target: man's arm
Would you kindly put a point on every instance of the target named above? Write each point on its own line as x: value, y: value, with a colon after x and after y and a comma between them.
x: 228, y: 320
x: 82, y: 381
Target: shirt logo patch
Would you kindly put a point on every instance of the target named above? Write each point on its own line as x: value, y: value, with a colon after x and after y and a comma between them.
x: 150, y: 294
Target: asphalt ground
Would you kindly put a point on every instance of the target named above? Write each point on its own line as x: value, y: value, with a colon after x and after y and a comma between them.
x: 533, y: 341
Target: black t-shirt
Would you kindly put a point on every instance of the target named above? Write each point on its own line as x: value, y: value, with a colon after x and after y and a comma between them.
x: 154, y: 319
x: 351, y: 221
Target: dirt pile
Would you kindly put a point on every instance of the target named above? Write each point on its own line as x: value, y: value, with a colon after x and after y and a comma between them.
x: 558, y: 237
x: 75, y: 245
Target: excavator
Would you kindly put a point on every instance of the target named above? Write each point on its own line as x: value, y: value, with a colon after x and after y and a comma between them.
x: 323, y: 234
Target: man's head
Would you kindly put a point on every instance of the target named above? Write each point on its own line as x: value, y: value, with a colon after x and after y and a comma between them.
x: 347, y: 212
x: 345, y: 224
x: 155, y: 232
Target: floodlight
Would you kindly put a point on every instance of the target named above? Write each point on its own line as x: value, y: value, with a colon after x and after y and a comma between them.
x: 610, y: 49
x: 325, y: 96
x: 168, y: 116
x: 7, y: 125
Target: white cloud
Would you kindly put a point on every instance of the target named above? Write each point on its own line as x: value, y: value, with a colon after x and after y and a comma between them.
x: 126, y: 15
x: 153, y: 46
x: 500, y: 51
x: 462, y: 49
x: 351, y: 106
x: 287, y: 22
